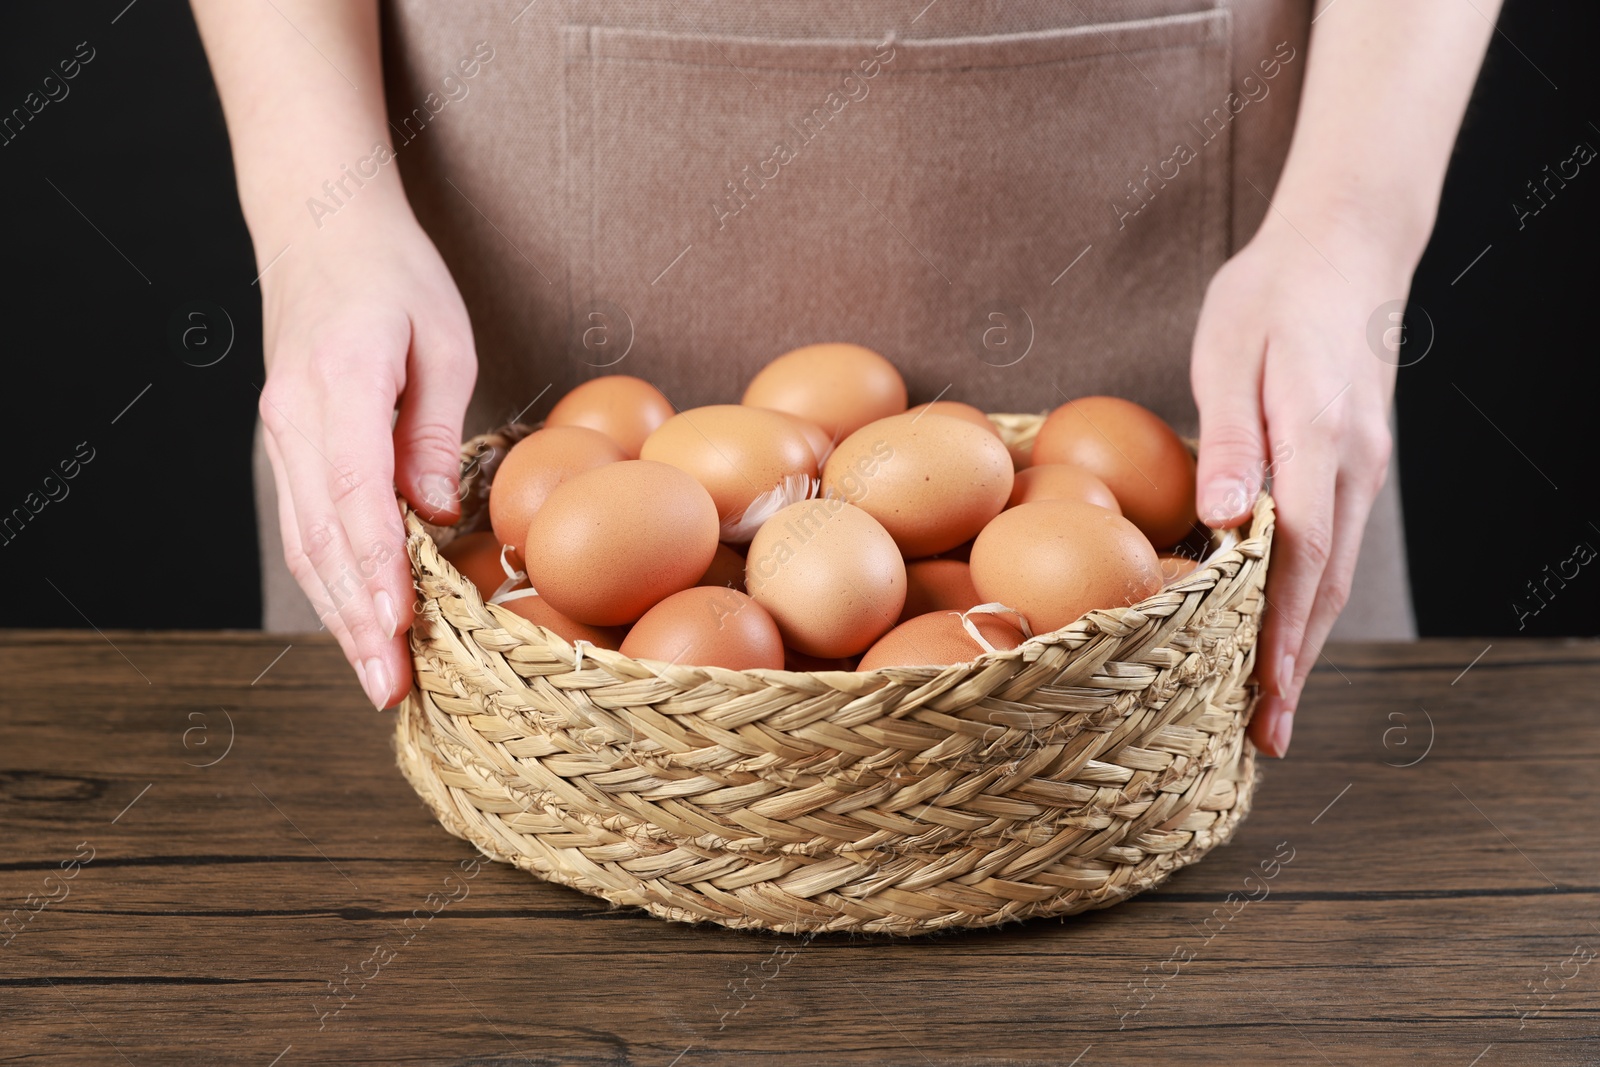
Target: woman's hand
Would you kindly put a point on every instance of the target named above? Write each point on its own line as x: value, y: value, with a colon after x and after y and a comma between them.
x: 1288, y: 386
x: 1282, y: 370
x: 358, y: 310
x: 359, y: 317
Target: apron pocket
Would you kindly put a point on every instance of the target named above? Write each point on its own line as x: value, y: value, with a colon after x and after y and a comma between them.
x: 1007, y: 218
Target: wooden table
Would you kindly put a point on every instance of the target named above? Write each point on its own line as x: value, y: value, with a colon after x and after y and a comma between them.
x: 226, y: 866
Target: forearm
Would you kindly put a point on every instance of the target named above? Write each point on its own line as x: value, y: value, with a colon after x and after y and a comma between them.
x: 302, y: 91
x: 1387, y: 83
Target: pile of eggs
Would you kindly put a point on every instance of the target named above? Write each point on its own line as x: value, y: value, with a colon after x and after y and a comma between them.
x: 821, y: 525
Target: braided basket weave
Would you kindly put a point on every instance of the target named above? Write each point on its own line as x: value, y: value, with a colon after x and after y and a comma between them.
x: 1069, y: 773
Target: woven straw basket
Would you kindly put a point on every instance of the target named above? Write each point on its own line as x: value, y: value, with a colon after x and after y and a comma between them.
x: 1069, y: 773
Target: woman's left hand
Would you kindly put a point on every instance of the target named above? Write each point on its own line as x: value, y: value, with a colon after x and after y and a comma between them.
x: 1289, y: 387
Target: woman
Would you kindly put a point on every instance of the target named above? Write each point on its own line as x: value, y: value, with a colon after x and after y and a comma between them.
x: 1016, y: 203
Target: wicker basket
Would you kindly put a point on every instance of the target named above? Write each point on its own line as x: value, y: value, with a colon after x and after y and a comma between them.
x: 1066, y: 774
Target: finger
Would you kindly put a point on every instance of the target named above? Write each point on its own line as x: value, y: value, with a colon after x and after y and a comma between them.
x: 440, y: 373
x: 327, y: 547
x: 1352, y: 506
x: 310, y: 582
x: 299, y: 566
x: 1365, y: 468
x: 359, y: 475
x: 1302, y: 546
x: 1226, y: 378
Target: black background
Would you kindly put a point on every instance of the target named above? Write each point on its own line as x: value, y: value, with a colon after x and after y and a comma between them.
x: 1514, y: 336
x: 121, y: 221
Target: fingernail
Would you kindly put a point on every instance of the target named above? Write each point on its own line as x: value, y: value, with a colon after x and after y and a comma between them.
x: 375, y: 680
x: 388, y: 618
x: 1225, y: 499
x: 438, y: 491
x: 1282, y: 727
x: 1285, y: 674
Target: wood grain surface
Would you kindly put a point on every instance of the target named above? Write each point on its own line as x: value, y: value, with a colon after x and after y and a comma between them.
x: 212, y: 858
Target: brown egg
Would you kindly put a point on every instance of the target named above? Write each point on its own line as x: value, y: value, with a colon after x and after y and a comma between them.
x: 840, y: 387
x: 830, y: 576
x: 477, y: 557
x: 1053, y: 560
x: 957, y: 410
x: 536, y: 465
x: 938, y: 639
x: 1021, y: 456
x: 707, y: 627
x: 938, y: 585
x: 611, y: 542
x: 539, y: 612
x: 726, y: 570
x: 1174, y: 566
x: 1145, y: 463
x: 1061, y: 481
x: 624, y: 408
x: 931, y: 480
x: 743, y: 456
x: 821, y: 444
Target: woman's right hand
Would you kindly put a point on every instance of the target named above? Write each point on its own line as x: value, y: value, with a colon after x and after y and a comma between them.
x: 359, y: 317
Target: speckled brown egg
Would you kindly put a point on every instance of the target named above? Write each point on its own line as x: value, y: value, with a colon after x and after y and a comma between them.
x: 939, y: 639
x: 840, y: 387
x: 624, y: 408
x: 613, y: 541
x: 535, y: 466
x: 955, y: 409
x: 819, y: 440
x: 1061, y: 481
x: 830, y: 576
x: 931, y: 480
x: 938, y: 585
x: 743, y: 456
x: 707, y: 627
x: 1053, y: 560
x: 1130, y: 448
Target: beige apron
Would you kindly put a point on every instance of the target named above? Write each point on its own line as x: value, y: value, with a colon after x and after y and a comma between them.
x: 1017, y: 203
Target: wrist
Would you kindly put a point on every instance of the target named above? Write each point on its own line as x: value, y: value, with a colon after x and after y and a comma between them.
x: 1392, y: 225
x: 348, y: 198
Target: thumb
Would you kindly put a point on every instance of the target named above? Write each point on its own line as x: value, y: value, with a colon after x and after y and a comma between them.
x: 440, y: 371
x: 1233, y: 449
